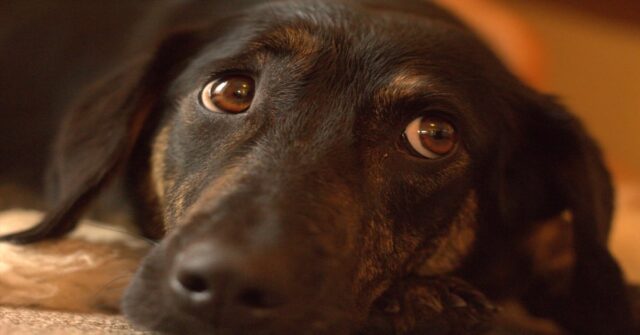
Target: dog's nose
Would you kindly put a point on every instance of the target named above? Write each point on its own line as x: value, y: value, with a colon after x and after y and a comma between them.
x: 209, y: 278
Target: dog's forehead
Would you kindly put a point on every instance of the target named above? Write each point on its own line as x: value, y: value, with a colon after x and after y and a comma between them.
x: 353, y: 21
x: 384, y: 40
x: 336, y: 12
x: 303, y: 24
x: 391, y: 50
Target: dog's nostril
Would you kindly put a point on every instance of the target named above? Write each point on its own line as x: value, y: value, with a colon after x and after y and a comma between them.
x: 259, y: 299
x: 193, y: 282
x: 208, y: 278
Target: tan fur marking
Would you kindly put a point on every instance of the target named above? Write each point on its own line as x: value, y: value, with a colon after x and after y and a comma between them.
x: 221, y: 184
x: 158, y: 153
x: 402, y: 85
x: 213, y: 192
x: 551, y: 249
x: 293, y: 39
x: 405, y: 82
x: 456, y: 244
x: 178, y: 203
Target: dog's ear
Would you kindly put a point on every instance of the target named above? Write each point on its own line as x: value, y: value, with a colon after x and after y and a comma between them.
x: 551, y: 165
x: 101, y: 129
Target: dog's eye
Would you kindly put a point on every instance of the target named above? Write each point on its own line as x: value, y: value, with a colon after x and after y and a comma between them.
x: 232, y: 94
x: 431, y: 137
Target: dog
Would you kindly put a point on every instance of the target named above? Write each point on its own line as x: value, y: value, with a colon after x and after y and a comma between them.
x: 336, y: 167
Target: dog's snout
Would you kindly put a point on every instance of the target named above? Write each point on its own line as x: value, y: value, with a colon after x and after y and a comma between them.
x: 211, y: 279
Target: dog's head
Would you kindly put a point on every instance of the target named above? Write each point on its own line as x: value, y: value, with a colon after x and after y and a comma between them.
x: 303, y: 156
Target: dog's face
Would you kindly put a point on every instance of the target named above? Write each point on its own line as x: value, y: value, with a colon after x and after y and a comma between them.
x: 304, y: 157
x: 310, y: 156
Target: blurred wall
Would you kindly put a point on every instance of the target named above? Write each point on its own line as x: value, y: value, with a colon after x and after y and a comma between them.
x: 593, y: 65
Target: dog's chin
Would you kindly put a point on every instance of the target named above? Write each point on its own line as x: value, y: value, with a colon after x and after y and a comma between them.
x: 148, y: 304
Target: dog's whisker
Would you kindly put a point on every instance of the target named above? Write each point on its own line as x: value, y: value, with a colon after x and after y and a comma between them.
x: 112, y: 285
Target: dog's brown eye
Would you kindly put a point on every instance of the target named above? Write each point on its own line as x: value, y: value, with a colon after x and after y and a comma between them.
x: 431, y: 136
x: 232, y: 94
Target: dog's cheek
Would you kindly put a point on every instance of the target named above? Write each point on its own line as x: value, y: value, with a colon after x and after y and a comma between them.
x: 449, y: 250
x: 376, y: 247
x: 384, y: 252
x: 412, y: 220
x: 174, y: 186
x: 376, y: 236
x: 171, y: 183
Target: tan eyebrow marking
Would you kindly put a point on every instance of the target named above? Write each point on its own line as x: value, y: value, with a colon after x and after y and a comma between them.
x: 408, y: 84
x: 402, y: 85
x: 158, y: 171
x: 297, y: 40
x: 405, y: 84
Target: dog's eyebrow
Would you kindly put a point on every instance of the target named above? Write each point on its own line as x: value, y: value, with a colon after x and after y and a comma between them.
x: 406, y: 85
x: 417, y: 88
x: 288, y: 39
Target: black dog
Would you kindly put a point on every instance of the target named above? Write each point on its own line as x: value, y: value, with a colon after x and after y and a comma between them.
x: 335, y: 167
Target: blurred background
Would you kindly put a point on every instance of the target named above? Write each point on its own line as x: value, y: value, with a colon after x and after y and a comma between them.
x: 592, y: 59
x: 586, y: 52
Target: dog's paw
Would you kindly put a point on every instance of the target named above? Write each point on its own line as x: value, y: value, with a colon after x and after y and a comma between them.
x: 434, y: 306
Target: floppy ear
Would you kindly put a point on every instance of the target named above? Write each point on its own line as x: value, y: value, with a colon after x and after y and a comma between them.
x: 99, y: 132
x: 553, y: 166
